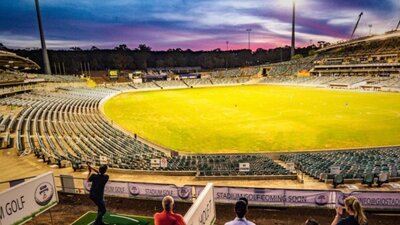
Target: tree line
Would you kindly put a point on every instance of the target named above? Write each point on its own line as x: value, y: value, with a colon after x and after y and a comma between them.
x: 143, y: 57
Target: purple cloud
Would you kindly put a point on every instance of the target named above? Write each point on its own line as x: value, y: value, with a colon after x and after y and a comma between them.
x: 198, y: 25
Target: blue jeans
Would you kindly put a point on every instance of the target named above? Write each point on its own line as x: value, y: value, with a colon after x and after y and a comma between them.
x: 101, y: 209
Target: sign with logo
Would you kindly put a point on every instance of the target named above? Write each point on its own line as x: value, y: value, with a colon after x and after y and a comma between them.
x: 257, y: 196
x: 290, y: 166
x: 103, y: 160
x: 203, y: 209
x: 119, y: 189
x: 155, y: 163
x: 244, y: 167
x: 164, y: 162
x: 335, y: 169
x: 158, y: 191
x: 142, y: 190
x: 113, y: 73
x: 274, y: 197
x: 310, y: 198
x: 373, y: 199
x: 19, y: 203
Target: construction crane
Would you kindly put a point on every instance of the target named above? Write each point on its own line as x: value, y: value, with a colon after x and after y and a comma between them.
x: 355, y: 27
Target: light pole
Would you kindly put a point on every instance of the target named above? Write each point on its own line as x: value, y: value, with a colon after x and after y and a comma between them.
x: 293, y: 28
x: 248, y: 31
x: 370, y: 26
x: 46, y: 62
x: 226, y: 55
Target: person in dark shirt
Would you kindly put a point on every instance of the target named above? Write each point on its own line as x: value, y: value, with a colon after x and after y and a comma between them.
x: 355, y: 211
x: 96, y: 194
x: 241, y: 209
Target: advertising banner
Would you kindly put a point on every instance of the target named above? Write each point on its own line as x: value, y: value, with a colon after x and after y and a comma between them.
x: 19, y: 203
x: 151, y: 191
x: 310, y: 198
x: 373, y: 199
x: 274, y: 197
x: 112, y: 188
x: 256, y: 196
x: 158, y: 191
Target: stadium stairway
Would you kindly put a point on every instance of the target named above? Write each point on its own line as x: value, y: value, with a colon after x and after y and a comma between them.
x: 155, y: 83
x: 186, y: 83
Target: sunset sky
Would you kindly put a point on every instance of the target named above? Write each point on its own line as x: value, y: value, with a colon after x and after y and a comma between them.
x: 194, y: 24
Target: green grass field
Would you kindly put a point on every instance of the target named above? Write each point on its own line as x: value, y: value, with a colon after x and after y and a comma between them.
x: 89, y: 218
x: 259, y: 118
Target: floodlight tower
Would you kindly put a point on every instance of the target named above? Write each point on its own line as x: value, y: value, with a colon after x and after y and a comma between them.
x: 248, y: 31
x: 46, y: 62
x: 355, y: 27
x: 293, y: 29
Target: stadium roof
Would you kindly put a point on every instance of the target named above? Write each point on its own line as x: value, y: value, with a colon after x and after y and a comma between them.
x: 12, y: 61
x: 390, y: 34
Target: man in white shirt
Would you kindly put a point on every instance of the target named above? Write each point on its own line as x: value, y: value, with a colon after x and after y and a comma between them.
x: 240, y: 210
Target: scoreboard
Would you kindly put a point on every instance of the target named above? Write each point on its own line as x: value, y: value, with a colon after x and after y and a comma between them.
x: 113, y: 74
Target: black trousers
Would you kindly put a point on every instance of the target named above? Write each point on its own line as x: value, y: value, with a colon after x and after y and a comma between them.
x: 101, y: 209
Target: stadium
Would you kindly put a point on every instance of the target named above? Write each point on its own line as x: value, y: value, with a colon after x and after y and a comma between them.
x: 295, y: 137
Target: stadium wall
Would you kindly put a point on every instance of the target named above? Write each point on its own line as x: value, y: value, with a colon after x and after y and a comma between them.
x: 263, y: 197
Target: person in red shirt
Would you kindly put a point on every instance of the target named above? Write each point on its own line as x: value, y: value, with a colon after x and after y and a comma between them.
x: 167, y: 216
